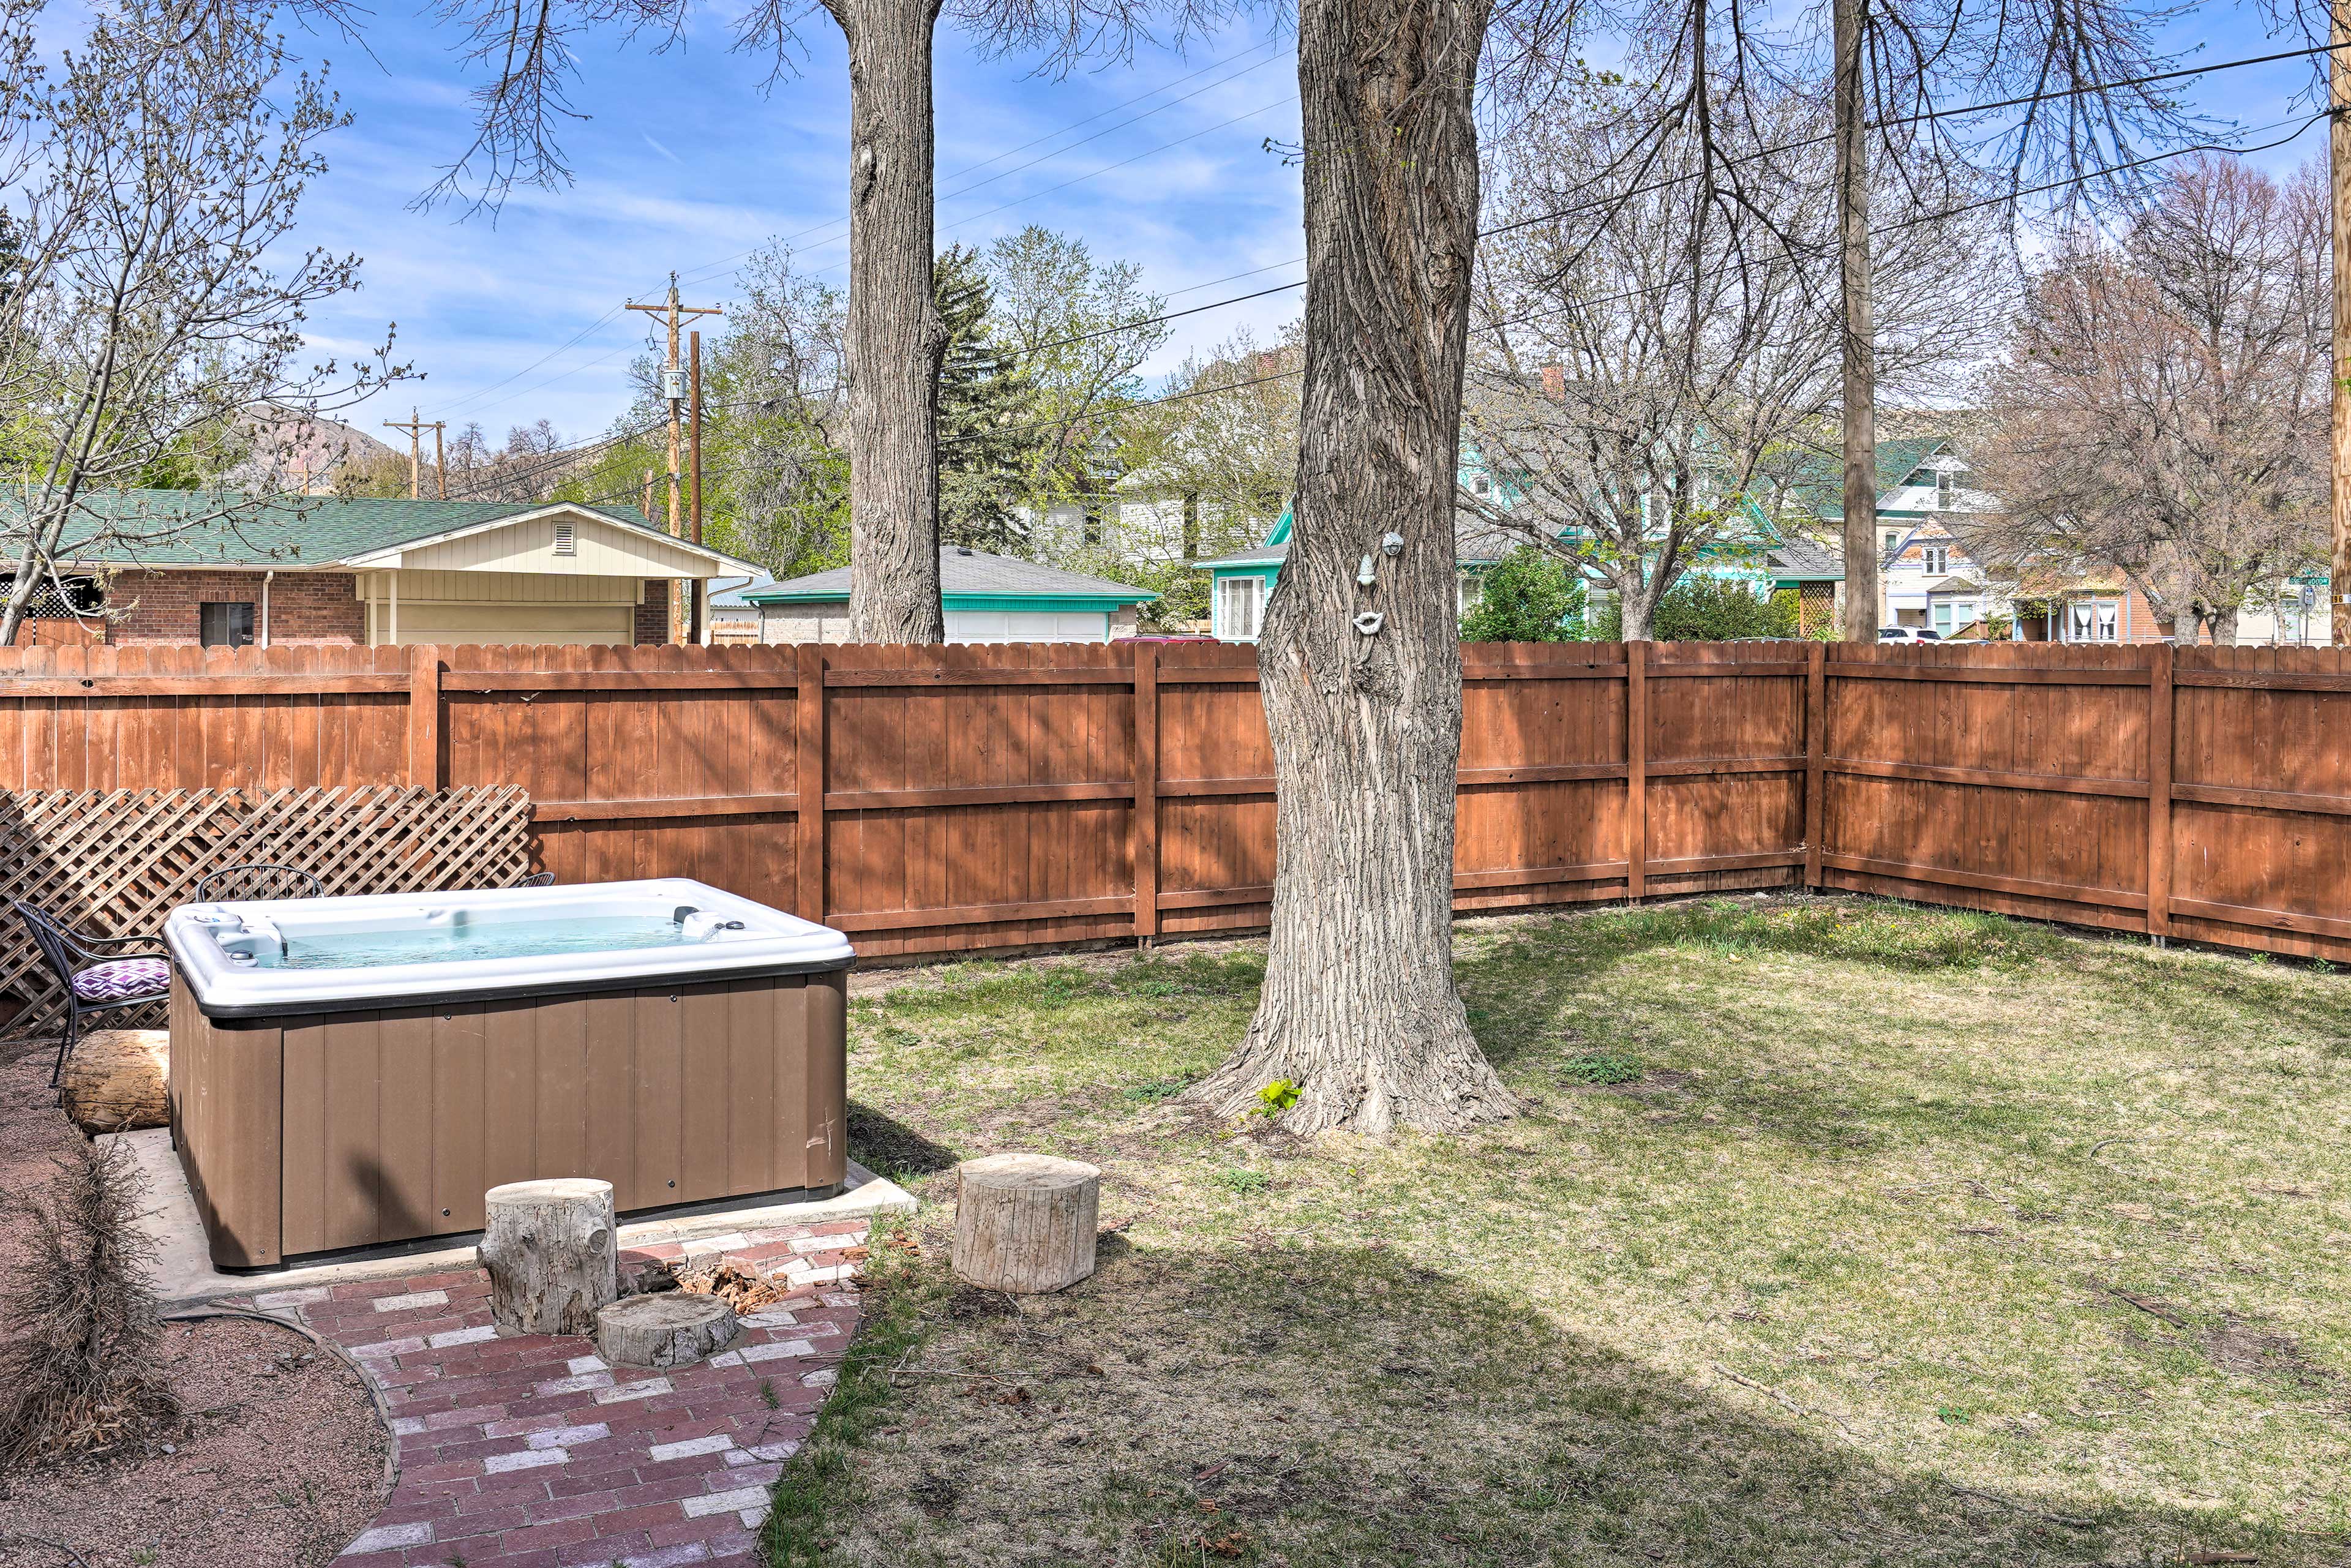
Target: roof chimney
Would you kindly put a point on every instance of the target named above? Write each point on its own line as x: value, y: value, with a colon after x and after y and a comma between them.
x: 1554, y: 377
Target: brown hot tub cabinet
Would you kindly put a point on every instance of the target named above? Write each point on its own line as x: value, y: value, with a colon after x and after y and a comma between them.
x: 338, y: 1128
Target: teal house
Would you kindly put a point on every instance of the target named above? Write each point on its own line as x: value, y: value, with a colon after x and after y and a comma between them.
x: 987, y: 598
x: 1768, y: 557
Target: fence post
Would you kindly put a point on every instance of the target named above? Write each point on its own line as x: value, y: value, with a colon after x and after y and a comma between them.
x: 1146, y: 794
x: 807, y: 827
x: 424, y: 716
x: 2159, y: 795
x: 1816, y: 747
x: 1637, y: 771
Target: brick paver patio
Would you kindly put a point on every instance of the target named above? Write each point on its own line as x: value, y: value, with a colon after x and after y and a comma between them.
x: 530, y: 1452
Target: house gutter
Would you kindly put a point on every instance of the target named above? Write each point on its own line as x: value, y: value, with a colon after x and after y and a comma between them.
x: 267, y: 577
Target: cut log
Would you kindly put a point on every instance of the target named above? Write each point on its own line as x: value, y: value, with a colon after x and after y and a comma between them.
x: 1025, y: 1222
x: 675, y: 1328
x: 553, y: 1254
x: 114, y: 1080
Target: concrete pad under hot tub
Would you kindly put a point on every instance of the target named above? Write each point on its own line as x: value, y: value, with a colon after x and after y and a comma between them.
x: 185, y: 1275
x: 323, y: 1103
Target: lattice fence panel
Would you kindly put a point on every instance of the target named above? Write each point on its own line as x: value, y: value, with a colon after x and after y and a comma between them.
x: 115, y: 862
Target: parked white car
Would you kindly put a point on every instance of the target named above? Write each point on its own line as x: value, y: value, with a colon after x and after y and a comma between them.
x: 1907, y: 634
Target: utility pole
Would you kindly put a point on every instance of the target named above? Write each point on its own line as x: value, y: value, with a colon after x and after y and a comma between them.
x: 416, y: 428
x: 673, y: 393
x: 440, y: 465
x: 1860, y: 489
x: 2339, y: 148
x: 694, y: 392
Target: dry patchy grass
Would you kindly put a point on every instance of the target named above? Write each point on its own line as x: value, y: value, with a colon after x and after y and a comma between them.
x: 1839, y: 1232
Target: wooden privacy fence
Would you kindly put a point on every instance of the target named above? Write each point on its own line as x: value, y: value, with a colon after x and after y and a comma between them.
x: 114, y: 862
x: 936, y: 799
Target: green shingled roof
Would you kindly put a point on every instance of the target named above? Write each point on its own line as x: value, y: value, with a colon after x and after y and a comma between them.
x: 1822, y: 485
x: 316, y: 530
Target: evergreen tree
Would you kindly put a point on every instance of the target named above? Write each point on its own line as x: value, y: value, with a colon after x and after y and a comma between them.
x: 985, y: 398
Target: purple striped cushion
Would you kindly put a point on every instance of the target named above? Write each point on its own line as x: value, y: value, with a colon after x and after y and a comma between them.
x: 122, y: 979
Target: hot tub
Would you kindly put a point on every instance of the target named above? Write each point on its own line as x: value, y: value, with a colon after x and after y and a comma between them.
x: 349, y: 1072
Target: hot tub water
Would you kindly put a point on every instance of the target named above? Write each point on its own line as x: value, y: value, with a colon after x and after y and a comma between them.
x: 459, y: 941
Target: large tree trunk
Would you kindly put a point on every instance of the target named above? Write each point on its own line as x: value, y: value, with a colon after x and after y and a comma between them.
x: 1359, y: 1009
x: 895, y: 335
x: 1862, y: 609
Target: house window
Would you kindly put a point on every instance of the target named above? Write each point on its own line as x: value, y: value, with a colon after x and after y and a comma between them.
x: 1942, y: 618
x: 1943, y: 489
x: 1240, y: 605
x: 1891, y: 541
x: 1469, y: 587
x: 2094, y: 620
x: 1938, y: 559
x: 1482, y: 485
x: 225, y: 625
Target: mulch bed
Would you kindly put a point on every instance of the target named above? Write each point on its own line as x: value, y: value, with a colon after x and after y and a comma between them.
x: 278, y: 1462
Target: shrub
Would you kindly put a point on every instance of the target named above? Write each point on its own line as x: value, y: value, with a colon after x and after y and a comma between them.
x: 1529, y: 597
x: 1710, y: 609
x: 80, y: 1367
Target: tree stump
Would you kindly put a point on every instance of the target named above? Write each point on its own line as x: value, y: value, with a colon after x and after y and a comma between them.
x: 675, y: 1328
x: 114, y: 1080
x: 552, y: 1253
x: 1025, y: 1222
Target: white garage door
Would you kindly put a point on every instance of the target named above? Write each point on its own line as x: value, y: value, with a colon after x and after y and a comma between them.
x: 1028, y: 626
x: 431, y: 623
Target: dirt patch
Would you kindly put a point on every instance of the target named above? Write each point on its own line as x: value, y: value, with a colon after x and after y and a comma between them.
x: 279, y: 1461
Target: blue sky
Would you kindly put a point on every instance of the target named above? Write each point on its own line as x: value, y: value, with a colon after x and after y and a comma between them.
x: 686, y: 161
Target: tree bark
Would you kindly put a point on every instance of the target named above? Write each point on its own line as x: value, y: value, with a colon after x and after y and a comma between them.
x: 1026, y: 1222
x: 553, y: 1254
x: 1359, y: 1009
x: 2338, y: 145
x: 676, y: 1328
x: 897, y: 337
x: 1862, y: 609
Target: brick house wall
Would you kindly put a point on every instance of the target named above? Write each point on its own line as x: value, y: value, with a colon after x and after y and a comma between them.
x: 305, y: 607
x: 653, y: 615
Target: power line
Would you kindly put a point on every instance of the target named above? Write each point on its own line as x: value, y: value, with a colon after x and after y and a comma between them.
x: 1960, y: 113
x: 713, y: 266
x: 1574, y: 208
x: 1791, y: 146
x: 1655, y: 289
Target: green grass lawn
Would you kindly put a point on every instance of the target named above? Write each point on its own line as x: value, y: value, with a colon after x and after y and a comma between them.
x: 1838, y: 1232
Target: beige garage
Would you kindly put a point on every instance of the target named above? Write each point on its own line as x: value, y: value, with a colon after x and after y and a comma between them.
x: 231, y: 570
x: 558, y: 574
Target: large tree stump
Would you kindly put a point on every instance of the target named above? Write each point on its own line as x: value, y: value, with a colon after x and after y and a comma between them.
x: 552, y: 1253
x: 114, y: 1080
x: 675, y: 1328
x: 1025, y: 1222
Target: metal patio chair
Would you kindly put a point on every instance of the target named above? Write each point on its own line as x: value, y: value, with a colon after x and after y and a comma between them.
x: 257, y: 883
x: 94, y: 982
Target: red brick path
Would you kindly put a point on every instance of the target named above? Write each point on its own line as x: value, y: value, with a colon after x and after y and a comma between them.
x: 529, y: 1452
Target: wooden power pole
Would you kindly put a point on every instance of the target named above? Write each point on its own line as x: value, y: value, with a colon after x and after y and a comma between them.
x: 694, y: 623
x: 416, y: 428
x: 1860, y: 488
x: 673, y: 393
x: 2339, y: 148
